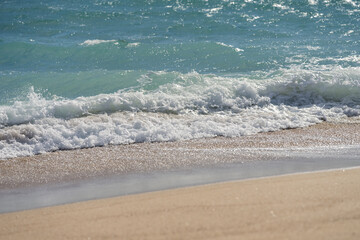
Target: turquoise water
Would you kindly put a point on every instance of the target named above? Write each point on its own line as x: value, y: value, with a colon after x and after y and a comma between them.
x: 79, y: 74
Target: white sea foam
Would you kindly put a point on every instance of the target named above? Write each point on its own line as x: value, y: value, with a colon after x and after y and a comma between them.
x: 312, y: 48
x: 135, y: 44
x: 278, y: 5
x: 96, y: 41
x: 313, y: 2
x: 351, y: 2
x: 212, y: 11
x: 348, y: 33
x: 230, y: 46
x: 49, y: 134
x: 194, y: 106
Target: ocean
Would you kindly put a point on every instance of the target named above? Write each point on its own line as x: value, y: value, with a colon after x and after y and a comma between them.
x: 80, y: 74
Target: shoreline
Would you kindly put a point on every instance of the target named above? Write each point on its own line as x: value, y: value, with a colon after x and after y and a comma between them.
x: 103, y: 172
x: 83, y: 164
x: 53, y: 194
x: 321, y: 205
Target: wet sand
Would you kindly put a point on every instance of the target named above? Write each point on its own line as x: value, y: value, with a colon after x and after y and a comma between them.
x: 322, y: 205
x: 74, y: 165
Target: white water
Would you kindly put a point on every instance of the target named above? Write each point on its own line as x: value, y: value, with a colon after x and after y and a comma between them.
x: 195, y: 106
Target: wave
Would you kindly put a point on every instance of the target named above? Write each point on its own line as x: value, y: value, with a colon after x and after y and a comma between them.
x: 191, y: 106
x: 324, y: 87
x: 51, y: 134
x: 177, y: 93
x: 125, y: 71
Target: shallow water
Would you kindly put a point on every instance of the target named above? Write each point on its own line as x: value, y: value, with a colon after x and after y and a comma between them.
x: 283, y: 162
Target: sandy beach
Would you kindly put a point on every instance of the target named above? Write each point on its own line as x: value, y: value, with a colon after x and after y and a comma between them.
x: 319, y: 205
x: 323, y: 205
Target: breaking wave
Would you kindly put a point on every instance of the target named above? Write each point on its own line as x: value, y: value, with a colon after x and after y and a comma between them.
x: 191, y: 106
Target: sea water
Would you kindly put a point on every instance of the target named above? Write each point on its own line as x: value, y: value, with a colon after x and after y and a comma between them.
x: 78, y: 74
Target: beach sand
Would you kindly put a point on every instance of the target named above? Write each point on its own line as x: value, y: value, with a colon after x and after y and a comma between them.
x: 322, y: 205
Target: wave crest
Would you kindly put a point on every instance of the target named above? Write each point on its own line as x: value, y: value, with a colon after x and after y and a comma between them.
x: 189, y: 106
x: 200, y: 94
